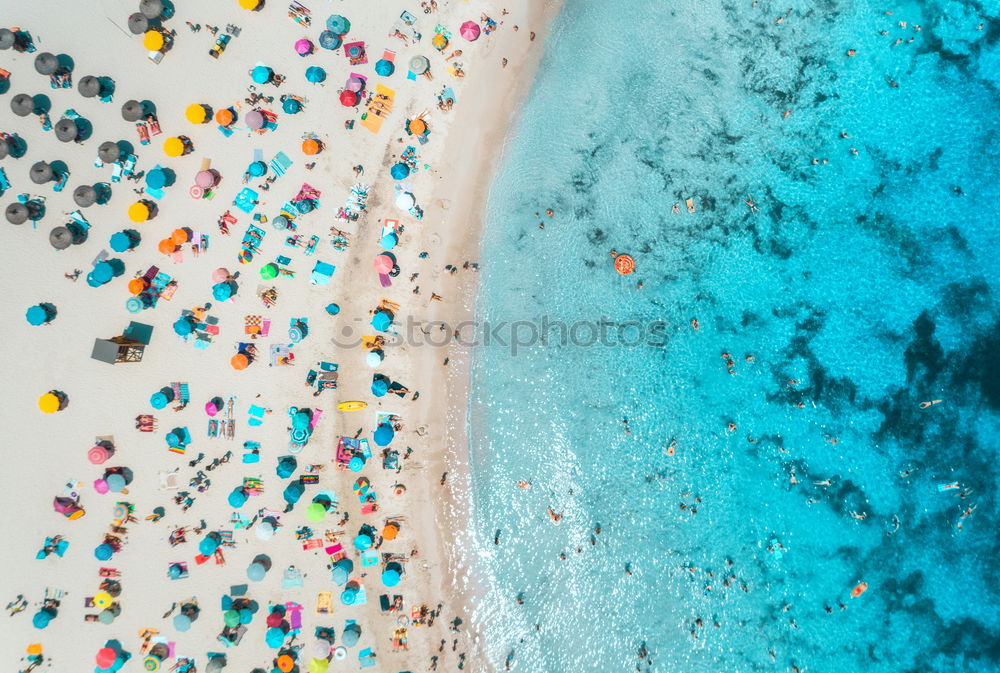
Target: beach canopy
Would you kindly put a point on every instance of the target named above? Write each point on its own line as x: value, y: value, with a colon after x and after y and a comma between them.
x: 469, y: 30
x: 109, y: 152
x: 88, y: 86
x: 22, y: 105
x: 138, y: 24
x: 419, y: 65
x: 383, y: 434
x: 66, y: 130
x: 173, y: 147
x: 348, y: 98
x: 261, y: 74
x: 153, y: 40
x: 46, y: 63
x: 196, y: 113
x: 85, y: 196
x: 254, y: 119
x: 338, y: 25
x: 384, y: 67
x: 132, y: 110
x: 303, y: 47
x: 399, y: 171
x: 315, y: 74
x: 329, y: 40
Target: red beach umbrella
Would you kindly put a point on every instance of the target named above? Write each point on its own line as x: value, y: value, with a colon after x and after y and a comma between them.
x: 348, y: 98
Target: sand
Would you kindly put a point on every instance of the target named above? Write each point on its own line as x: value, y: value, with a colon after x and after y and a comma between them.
x: 45, y: 452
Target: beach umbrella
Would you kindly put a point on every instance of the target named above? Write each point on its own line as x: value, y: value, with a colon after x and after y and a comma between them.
x: 22, y: 105
x: 362, y: 542
x: 399, y: 171
x: 261, y: 74
x: 167, y: 247
x: 85, y: 196
x: 274, y: 637
x: 206, y: 179
x: 174, y: 571
x: 348, y: 98
x: 102, y: 273
x: 88, y: 86
x: 116, y: 482
x: 182, y: 622
x: 265, y: 530
x: 384, y: 263
x: 355, y: 84
x: 151, y: 663
x: 41, y: 619
x: 37, y: 315
x: 384, y: 434
x: 41, y: 173
x: 315, y: 512
x: 315, y: 74
x: 254, y: 120
x: 303, y: 47
x: 347, y: 597
x: 293, y: 492
x: 103, y: 552
x: 320, y: 648
x: 46, y: 63
x: 120, y: 241
x: 223, y: 291
x: 239, y: 361
x: 269, y: 271
x: 225, y: 116
x: 417, y: 127
x: 17, y: 213
x: 183, y: 326
x: 337, y: 24
x: 258, y: 168
x: 66, y: 130
x: 256, y: 572
x: 237, y: 498
x: 374, y: 358
x: 60, y: 238
x: 390, y: 240
x: 419, y: 65
x: 286, y: 466
x: 156, y: 178
x: 103, y: 599
x: 138, y: 212
x: 106, y: 616
x: 381, y: 321
x: 7, y: 38
x: 285, y: 663
x: 390, y: 578
x: 106, y: 657
x: 150, y: 9
x: 216, y: 664
x: 196, y: 113
x: 310, y: 146
x: 153, y: 40
x: 98, y: 454
x: 246, y: 616
x: 208, y: 545
x: 405, y: 201
x: 173, y: 147
x: 350, y: 636
x: 380, y: 387
x: 329, y: 40
x: 138, y: 24
x: 4, y: 148
x: 469, y: 30
x: 339, y: 575
x: 220, y: 275
x: 301, y: 420
x: 49, y: 403
x: 291, y: 106
x: 384, y: 67
x: 109, y: 152
x: 132, y: 111
x: 390, y: 531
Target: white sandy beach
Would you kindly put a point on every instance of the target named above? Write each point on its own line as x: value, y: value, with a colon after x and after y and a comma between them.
x: 45, y: 452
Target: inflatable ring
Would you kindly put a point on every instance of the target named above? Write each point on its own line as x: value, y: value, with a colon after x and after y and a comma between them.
x: 860, y: 589
x: 133, y: 305
x: 340, y: 653
x: 196, y: 192
x: 399, y: 489
x: 624, y: 264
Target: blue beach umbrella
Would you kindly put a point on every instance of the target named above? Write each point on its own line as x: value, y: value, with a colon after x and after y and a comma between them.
x: 41, y: 619
x: 381, y: 321
x: 293, y: 492
x: 116, y: 482
x: 362, y: 542
x: 337, y: 24
x: 350, y: 636
x: 103, y: 552
x: 36, y: 315
x: 291, y: 106
x: 384, y: 434
x: 315, y: 74
x: 300, y: 420
x: 399, y: 171
x: 384, y: 67
x: 333, y: 309
x: 121, y: 242
x: 156, y: 179
x: 374, y: 358
x: 274, y: 637
x: 356, y: 463
x: 380, y: 387
x: 390, y: 578
x: 237, y: 498
x: 182, y: 622
x: 245, y: 616
x: 339, y: 576
x: 182, y: 327
x: 390, y: 240
x: 261, y: 74
x: 173, y: 441
x: 174, y: 572
x: 222, y: 291
x: 158, y: 400
x: 257, y: 169
x: 102, y: 273
x: 208, y: 545
x: 329, y: 40
x: 286, y: 465
x: 256, y: 572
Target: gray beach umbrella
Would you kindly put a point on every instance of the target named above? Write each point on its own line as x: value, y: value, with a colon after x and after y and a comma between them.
x: 215, y: 665
x: 150, y: 8
x: 22, y: 105
x: 41, y: 173
x: 89, y: 86
x: 138, y: 24
x: 109, y: 152
x: 4, y: 149
x: 46, y: 63
x: 84, y: 196
x: 66, y: 130
x: 17, y: 213
x: 132, y: 111
x: 61, y: 238
x: 7, y: 38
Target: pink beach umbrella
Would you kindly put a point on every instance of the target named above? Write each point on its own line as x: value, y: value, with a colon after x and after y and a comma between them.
x: 469, y: 31
x: 254, y: 119
x: 206, y: 179
x: 355, y: 84
x: 98, y: 455
x: 303, y: 47
x: 220, y: 275
x: 384, y: 264
x: 100, y: 486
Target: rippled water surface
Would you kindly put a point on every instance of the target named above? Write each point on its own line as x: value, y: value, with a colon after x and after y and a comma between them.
x: 860, y: 287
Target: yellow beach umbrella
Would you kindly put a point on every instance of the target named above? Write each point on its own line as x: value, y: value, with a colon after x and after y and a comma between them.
x: 195, y: 113
x: 102, y: 599
x: 48, y: 403
x: 250, y: 4
x: 173, y: 147
x: 153, y: 41
x: 138, y: 212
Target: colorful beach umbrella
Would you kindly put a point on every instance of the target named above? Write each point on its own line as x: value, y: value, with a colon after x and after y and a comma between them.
x: 103, y: 599
x: 310, y: 146
x: 419, y: 65
x: 330, y: 40
x: 362, y: 542
x: 257, y: 169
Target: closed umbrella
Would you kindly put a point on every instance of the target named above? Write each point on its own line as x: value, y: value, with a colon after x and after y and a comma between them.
x: 22, y: 105
x: 315, y: 74
x: 109, y: 152
x: 384, y: 67
x: 46, y: 63
x: 261, y: 74
x: 384, y: 434
x: 150, y: 9
x: 88, y: 86
x: 254, y: 120
x: 7, y: 38
x: 17, y: 213
x: 469, y: 30
x: 66, y: 130
x: 329, y: 40
x: 337, y: 24
x: 132, y: 111
x: 41, y: 173
x: 84, y: 196
x: 138, y: 24
x: 60, y: 238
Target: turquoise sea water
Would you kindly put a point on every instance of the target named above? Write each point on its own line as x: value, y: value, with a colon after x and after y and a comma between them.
x: 862, y: 286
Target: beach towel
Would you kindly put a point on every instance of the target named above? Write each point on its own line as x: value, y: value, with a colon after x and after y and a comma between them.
x: 245, y: 200
x: 280, y: 164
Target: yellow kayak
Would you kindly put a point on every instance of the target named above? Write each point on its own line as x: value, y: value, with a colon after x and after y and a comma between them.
x: 352, y: 406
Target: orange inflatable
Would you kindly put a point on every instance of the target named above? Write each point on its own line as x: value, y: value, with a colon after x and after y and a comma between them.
x: 860, y: 589
x: 624, y: 264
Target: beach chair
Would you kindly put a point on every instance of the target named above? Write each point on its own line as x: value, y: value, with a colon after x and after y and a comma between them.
x: 116, y: 172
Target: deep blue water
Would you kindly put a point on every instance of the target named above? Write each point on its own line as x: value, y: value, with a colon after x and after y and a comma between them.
x: 861, y: 286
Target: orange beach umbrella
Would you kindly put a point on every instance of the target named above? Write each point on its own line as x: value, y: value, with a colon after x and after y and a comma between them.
x: 310, y: 146
x: 240, y: 361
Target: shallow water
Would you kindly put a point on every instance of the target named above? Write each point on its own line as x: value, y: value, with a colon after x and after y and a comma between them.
x: 869, y: 281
